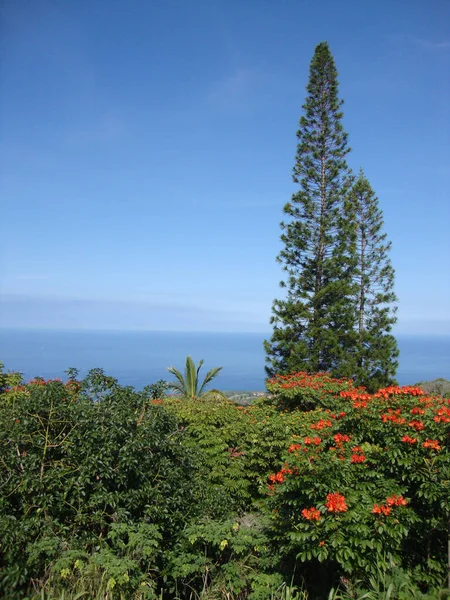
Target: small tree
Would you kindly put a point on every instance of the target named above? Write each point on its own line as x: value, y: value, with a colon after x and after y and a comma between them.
x: 376, y: 348
x: 189, y: 385
x: 313, y: 325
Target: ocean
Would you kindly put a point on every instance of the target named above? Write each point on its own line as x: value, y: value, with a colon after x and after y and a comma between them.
x: 141, y: 358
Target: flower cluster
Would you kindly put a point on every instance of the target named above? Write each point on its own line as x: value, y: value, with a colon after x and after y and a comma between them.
x: 314, y: 440
x: 381, y: 510
x: 395, y: 390
x: 432, y: 444
x: 442, y: 415
x: 41, y: 382
x: 395, y: 500
x: 417, y: 425
x: 409, y: 440
x: 311, y: 514
x: 294, y: 448
x: 385, y: 509
x: 322, y: 424
x: 281, y: 475
x: 335, y: 503
x: 340, y: 439
x: 393, y: 416
x: 360, y: 400
x: 357, y: 456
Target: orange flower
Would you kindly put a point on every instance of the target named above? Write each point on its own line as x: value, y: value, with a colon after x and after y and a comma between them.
x: 315, y: 440
x: 360, y: 404
x: 433, y: 444
x: 442, y: 415
x: 381, y: 510
x: 336, y: 503
x: 322, y: 543
x: 417, y: 425
x: 294, y: 447
x: 340, y: 438
x: 396, y: 501
x: 321, y: 424
x: 409, y: 440
x: 357, y: 458
x: 311, y: 514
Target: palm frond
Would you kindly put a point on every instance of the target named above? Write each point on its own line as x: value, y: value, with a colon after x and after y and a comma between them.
x: 210, y: 375
x: 190, y: 378
x: 177, y: 385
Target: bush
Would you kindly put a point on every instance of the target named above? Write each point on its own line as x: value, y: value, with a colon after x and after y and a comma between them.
x: 90, y: 469
x: 366, y: 485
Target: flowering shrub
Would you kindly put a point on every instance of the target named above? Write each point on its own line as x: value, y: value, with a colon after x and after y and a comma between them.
x: 306, y: 391
x: 373, y: 487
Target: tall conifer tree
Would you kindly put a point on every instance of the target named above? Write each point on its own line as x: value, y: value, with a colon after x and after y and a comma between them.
x: 313, y: 325
x: 375, y: 299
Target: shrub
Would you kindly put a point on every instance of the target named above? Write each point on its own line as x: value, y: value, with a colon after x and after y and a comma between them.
x: 368, y: 484
x: 84, y: 468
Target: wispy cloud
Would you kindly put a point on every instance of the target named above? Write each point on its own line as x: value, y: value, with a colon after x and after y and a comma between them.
x: 233, y: 90
x: 428, y: 44
x: 424, y: 44
x: 33, y: 277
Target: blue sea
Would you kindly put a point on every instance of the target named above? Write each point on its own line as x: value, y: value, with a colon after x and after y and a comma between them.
x: 141, y: 358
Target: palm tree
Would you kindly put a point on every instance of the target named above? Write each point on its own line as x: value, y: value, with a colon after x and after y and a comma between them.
x: 189, y: 385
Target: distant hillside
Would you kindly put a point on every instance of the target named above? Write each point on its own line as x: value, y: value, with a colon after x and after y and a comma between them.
x: 244, y: 398
x: 440, y: 387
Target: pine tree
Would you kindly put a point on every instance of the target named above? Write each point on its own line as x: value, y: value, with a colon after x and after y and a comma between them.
x: 375, y: 300
x: 313, y: 325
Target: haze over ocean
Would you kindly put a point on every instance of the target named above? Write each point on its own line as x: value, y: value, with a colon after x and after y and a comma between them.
x: 139, y: 358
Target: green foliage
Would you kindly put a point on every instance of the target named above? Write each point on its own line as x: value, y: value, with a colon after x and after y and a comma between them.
x: 9, y: 380
x: 81, y: 462
x: 239, y: 446
x: 390, y: 584
x: 106, y: 493
x: 116, y: 569
x: 313, y: 323
x: 189, y: 384
x: 156, y: 390
x: 230, y: 556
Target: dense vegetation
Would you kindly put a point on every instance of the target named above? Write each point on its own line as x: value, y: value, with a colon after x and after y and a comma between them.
x: 109, y: 493
x: 339, y: 305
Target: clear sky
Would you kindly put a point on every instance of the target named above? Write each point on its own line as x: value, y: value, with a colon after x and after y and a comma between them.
x: 147, y: 149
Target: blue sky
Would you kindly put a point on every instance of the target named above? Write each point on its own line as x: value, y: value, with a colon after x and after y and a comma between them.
x: 147, y: 147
